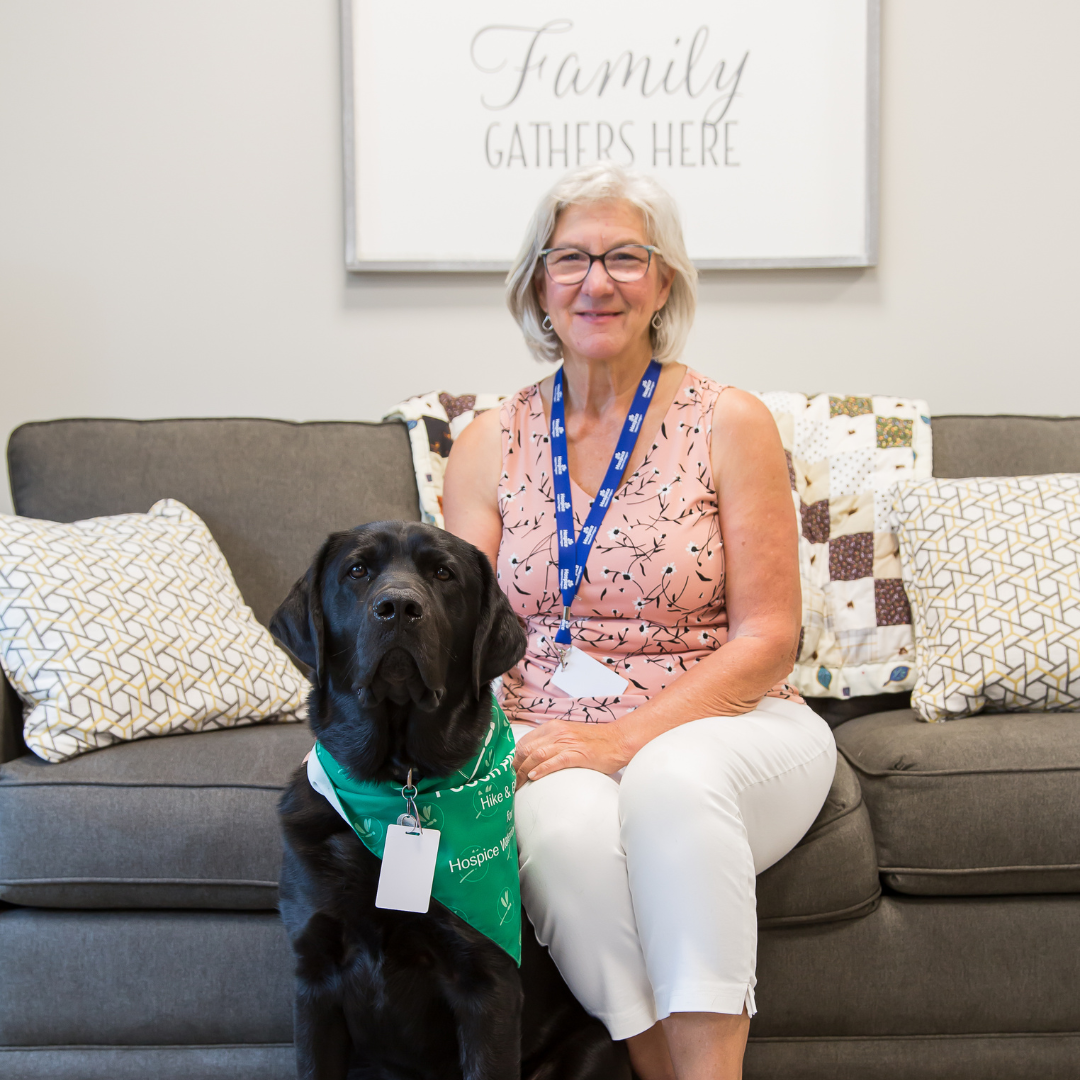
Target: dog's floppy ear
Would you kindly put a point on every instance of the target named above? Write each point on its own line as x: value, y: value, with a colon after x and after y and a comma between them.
x: 500, y: 641
x: 297, y: 624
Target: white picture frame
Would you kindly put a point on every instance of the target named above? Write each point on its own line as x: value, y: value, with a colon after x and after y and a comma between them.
x: 764, y: 124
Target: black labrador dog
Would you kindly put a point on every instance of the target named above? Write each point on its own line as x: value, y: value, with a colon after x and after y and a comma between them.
x: 402, y: 627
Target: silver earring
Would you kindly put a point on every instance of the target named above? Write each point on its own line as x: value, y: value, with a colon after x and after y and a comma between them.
x: 546, y: 324
x: 657, y: 322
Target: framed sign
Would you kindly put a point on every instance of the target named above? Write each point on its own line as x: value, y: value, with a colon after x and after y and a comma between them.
x: 759, y: 116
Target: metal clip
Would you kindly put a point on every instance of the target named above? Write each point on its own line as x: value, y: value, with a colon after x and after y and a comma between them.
x: 564, y: 651
x: 411, y: 817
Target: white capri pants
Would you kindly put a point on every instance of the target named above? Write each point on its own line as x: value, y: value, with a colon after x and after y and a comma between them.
x: 643, y: 887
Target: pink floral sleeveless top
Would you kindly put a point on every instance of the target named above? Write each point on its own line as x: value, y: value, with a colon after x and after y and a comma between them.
x: 651, y: 599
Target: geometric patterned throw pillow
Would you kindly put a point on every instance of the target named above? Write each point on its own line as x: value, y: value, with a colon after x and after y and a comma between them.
x: 845, y: 456
x: 992, y: 568
x: 124, y: 627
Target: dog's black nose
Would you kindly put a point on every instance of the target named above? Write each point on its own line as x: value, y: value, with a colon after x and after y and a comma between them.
x: 390, y: 605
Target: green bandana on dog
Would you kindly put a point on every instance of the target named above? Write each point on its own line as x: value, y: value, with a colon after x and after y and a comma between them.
x: 476, y: 874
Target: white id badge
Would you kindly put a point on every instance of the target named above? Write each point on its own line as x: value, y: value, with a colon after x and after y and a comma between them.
x: 585, y: 677
x: 408, y: 868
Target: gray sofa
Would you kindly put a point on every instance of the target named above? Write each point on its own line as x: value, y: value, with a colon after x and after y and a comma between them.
x: 927, y: 926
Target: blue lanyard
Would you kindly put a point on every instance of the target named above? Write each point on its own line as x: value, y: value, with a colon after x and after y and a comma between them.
x: 573, y: 556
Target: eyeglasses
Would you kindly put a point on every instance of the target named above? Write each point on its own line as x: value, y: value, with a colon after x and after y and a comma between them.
x: 571, y: 266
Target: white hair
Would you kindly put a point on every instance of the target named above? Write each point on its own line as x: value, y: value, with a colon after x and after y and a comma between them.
x: 603, y: 182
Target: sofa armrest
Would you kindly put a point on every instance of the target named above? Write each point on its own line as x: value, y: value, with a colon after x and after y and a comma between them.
x: 11, y: 738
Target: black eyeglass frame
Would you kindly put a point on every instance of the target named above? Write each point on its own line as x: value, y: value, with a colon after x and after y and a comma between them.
x: 545, y: 252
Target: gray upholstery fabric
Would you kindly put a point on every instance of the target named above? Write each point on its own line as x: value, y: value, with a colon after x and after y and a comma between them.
x: 270, y: 491
x: 946, y: 1057
x: 179, y: 821
x: 832, y: 873
x: 981, y: 805
x: 925, y: 966
x: 960, y: 1057
x: 272, y: 1062
x: 1005, y: 445
x: 138, y: 977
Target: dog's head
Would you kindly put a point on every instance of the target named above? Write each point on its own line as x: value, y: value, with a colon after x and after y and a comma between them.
x: 402, y: 626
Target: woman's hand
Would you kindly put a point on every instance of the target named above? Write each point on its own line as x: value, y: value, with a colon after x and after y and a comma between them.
x: 571, y: 744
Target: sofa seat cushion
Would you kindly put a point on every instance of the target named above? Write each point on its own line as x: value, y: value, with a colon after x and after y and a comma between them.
x: 832, y: 872
x: 183, y: 821
x: 190, y: 821
x: 983, y: 805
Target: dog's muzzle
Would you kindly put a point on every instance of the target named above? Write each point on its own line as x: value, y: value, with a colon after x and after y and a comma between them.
x: 406, y: 670
x: 398, y: 678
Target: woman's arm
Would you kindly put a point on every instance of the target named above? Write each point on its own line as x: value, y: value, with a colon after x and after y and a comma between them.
x: 763, y: 599
x: 471, y: 485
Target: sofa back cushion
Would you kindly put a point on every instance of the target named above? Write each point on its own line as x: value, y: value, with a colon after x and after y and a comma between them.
x: 269, y: 490
x: 1005, y: 445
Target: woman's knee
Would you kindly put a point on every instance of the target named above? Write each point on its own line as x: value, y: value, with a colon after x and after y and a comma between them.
x: 672, y: 777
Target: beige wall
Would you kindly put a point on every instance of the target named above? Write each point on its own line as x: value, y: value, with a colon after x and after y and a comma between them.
x: 170, y: 228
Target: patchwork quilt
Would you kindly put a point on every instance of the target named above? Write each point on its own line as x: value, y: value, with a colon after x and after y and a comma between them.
x: 844, y: 455
x: 434, y: 421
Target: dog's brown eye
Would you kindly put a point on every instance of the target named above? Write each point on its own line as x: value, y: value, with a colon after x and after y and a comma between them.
x: 357, y: 570
x: 443, y: 574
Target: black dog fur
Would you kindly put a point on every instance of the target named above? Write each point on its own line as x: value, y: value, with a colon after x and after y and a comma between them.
x: 402, y: 627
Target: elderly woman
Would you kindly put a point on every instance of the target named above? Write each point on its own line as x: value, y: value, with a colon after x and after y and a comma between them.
x: 640, y: 519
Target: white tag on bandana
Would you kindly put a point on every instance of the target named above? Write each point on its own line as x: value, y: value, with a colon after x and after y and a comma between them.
x: 584, y: 676
x: 408, y: 868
